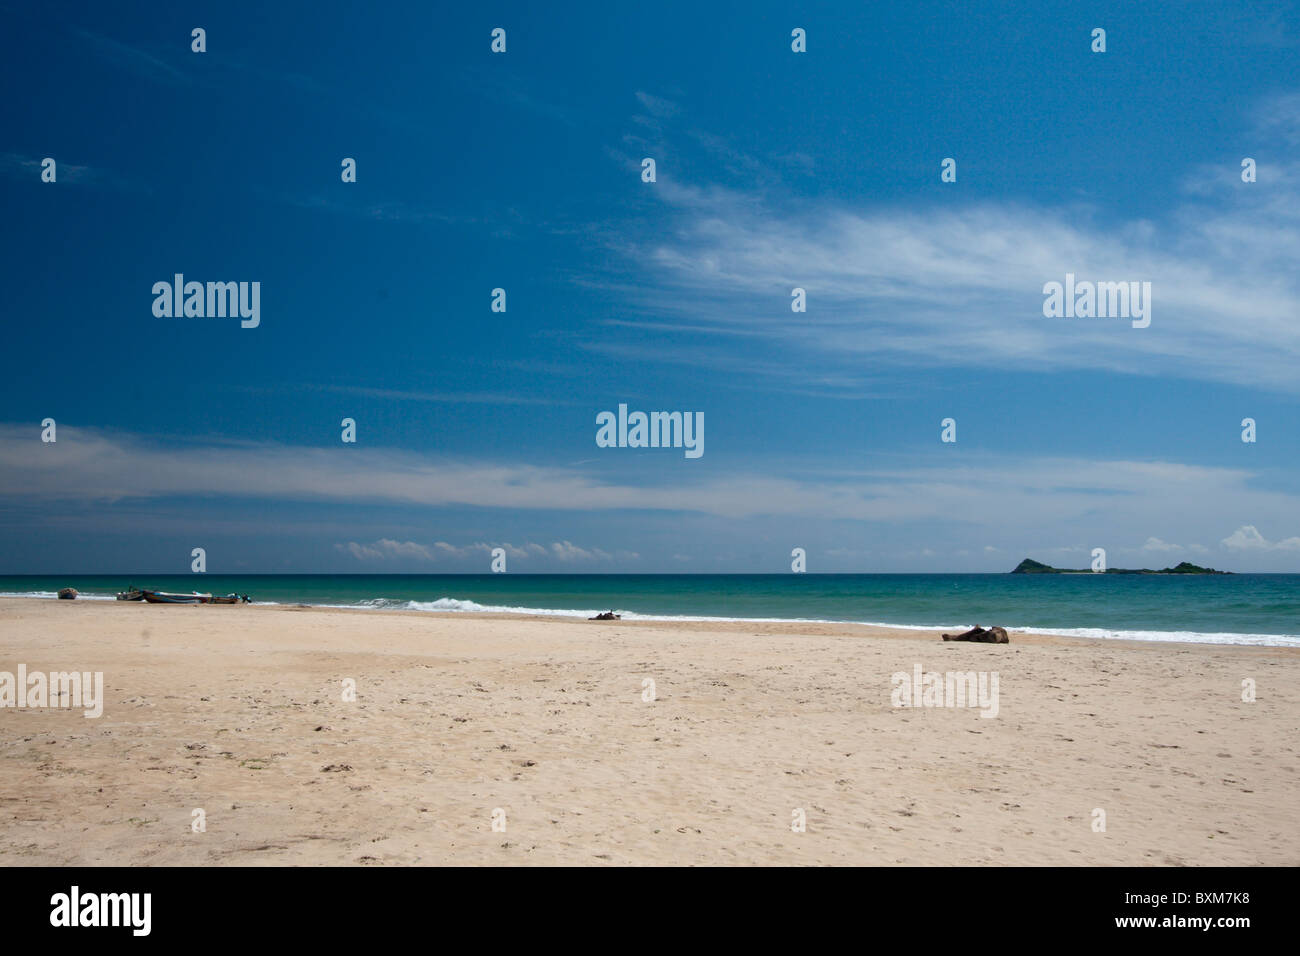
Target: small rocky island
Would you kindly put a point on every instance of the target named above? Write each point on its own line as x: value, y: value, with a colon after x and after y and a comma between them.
x: 1030, y: 566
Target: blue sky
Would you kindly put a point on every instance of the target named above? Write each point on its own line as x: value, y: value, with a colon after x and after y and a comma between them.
x: 821, y: 170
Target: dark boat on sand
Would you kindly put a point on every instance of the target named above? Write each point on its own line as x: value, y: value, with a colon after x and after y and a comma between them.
x: 172, y: 597
x: 193, y: 597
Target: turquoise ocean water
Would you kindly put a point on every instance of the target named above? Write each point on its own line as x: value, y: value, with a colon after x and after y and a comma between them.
x: 1232, y: 609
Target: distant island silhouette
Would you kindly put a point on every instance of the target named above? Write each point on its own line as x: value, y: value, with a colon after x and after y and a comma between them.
x: 1030, y: 566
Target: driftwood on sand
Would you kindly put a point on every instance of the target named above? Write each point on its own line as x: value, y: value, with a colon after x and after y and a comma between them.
x: 992, y: 635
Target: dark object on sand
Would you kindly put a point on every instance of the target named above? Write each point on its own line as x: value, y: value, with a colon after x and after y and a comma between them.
x: 993, y: 635
x: 171, y: 597
x: 67, y: 594
x: 132, y: 593
x: 194, y: 597
x: 607, y: 616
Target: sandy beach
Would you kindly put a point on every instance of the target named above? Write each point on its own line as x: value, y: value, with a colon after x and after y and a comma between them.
x: 240, y: 712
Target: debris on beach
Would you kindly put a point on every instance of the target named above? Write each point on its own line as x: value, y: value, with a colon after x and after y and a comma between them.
x: 607, y: 616
x: 992, y: 635
x: 67, y: 594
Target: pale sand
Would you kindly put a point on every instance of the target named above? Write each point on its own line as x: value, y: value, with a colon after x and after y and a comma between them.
x: 238, y: 710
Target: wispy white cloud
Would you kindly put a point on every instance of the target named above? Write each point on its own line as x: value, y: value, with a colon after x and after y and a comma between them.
x: 1110, y: 497
x: 961, y: 284
x: 658, y: 105
x: 1155, y: 544
x: 472, y: 398
x: 568, y: 551
x: 1248, y: 538
x: 28, y: 168
x: 386, y: 549
x: 132, y: 58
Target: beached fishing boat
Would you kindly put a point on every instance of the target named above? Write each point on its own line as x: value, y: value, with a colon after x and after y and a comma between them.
x: 130, y: 594
x: 229, y: 599
x: 171, y: 597
x: 193, y: 597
